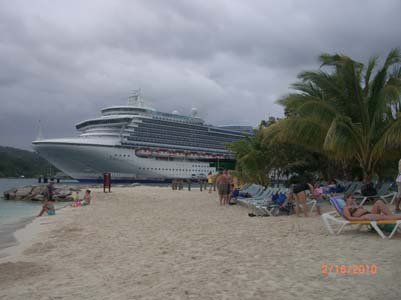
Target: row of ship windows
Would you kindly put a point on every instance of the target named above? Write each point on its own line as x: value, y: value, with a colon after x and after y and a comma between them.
x: 168, y: 169
x: 173, y: 127
x: 185, y: 125
x: 193, y: 126
x: 182, y: 135
x: 122, y: 155
x: 144, y: 144
x: 201, y: 130
x: 173, y: 120
x: 161, y: 137
x: 172, y: 142
x: 127, y: 155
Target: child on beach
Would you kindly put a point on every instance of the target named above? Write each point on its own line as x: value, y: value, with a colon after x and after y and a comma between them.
x: 317, y: 195
x: 85, y: 201
x: 87, y: 198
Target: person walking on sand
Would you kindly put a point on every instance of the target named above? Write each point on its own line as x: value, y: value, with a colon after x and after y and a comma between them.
x: 221, y: 189
x: 300, y: 197
x: 230, y: 187
x: 223, y: 182
x: 210, y: 181
x: 398, y: 181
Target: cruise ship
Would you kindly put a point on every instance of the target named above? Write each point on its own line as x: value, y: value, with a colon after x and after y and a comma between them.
x: 135, y: 143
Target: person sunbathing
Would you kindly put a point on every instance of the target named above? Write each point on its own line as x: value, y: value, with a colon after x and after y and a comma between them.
x: 378, y: 212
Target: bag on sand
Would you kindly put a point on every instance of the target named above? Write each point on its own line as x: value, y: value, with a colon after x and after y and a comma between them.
x: 388, y: 228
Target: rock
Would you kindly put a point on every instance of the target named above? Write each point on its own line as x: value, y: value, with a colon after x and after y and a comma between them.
x: 10, y: 194
x: 37, y: 197
x: 37, y: 193
x: 59, y: 193
x: 23, y: 192
x: 40, y: 189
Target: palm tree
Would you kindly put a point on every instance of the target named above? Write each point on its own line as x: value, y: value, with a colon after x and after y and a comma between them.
x: 350, y: 112
x: 251, y: 156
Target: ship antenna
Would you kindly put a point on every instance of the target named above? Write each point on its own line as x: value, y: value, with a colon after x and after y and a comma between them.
x: 40, y: 135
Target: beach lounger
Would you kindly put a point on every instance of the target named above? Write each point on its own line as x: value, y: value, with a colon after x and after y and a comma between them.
x: 353, y: 188
x: 383, y: 194
x: 331, y: 219
x: 269, y: 207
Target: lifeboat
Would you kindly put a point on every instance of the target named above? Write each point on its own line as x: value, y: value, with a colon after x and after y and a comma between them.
x: 179, y: 154
x: 162, y: 153
x: 192, y: 155
x: 143, y: 152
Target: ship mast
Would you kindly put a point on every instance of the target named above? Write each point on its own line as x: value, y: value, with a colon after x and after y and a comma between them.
x: 40, y: 133
x: 135, y: 99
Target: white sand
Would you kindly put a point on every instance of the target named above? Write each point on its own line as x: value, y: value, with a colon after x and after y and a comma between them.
x: 155, y: 243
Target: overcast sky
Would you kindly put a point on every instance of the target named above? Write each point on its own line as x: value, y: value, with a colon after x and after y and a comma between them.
x: 62, y: 61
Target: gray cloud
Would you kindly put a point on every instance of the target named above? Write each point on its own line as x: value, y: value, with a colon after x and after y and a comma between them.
x: 62, y: 61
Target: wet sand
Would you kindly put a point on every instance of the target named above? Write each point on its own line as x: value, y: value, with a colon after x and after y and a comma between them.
x: 155, y: 243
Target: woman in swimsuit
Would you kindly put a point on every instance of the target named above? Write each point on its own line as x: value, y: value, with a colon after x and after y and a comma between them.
x: 300, y: 197
x: 379, y: 211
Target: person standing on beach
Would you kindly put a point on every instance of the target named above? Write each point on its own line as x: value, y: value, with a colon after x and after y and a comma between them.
x: 230, y: 187
x: 300, y: 197
x: 223, y: 182
x: 220, y: 188
x: 210, y: 181
x: 317, y: 195
x: 398, y: 181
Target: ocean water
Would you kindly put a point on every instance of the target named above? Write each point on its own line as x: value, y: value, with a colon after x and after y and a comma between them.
x: 11, y: 210
x: 14, y: 214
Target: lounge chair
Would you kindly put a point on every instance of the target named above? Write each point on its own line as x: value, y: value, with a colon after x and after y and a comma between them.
x: 269, y: 207
x: 337, y: 217
x: 383, y: 194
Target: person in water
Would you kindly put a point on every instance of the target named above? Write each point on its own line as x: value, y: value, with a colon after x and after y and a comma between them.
x: 48, y: 203
x: 379, y: 211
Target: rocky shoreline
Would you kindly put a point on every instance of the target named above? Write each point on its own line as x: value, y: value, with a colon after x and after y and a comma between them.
x: 62, y: 193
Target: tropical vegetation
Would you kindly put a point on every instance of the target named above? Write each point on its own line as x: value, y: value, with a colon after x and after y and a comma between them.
x: 346, y: 115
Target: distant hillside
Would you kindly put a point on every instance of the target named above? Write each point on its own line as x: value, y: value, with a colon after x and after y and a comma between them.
x: 16, y: 162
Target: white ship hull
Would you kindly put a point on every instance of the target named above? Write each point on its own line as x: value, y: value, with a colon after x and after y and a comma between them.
x: 89, y: 160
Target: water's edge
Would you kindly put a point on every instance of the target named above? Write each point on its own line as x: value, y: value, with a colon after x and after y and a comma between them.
x: 7, y: 232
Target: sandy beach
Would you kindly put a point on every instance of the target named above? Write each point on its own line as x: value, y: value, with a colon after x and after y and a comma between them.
x: 155, y: 243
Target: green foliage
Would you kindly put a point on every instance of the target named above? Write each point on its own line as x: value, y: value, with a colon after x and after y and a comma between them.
x: 15, y: 163
x: 258, y: 159
x: 251, y: 154
x: 349, y: 113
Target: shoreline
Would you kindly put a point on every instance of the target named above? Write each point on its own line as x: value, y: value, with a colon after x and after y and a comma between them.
x: 21, y: 233
x: 8, y: 233
x: 23, y: 238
